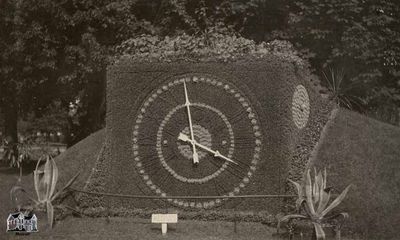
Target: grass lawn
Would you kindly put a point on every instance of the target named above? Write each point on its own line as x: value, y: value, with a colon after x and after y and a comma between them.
x: 135, y: 228
x: 127, y: 228
x: 123, y: 228
x: 119, y: 228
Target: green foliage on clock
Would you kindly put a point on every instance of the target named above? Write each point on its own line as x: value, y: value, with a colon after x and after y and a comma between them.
x: 269, y: 86
x: 226, y: 134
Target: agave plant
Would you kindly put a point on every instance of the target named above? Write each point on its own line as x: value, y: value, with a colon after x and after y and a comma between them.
x: 314, y: 204
x: 45, y: 185
x: 344, y: 93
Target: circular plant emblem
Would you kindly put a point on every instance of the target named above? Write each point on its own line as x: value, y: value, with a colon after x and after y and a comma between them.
x: 300, y: 107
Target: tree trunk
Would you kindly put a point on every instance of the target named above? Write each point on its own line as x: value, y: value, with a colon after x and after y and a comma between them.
x: 10, y: 117
x: 10, y: 111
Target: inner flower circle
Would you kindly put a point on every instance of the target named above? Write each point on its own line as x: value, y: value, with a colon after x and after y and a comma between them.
x: 201, y: 135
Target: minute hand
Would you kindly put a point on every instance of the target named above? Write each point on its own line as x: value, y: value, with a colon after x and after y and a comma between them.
x: 195, y: 155
x: 186, y: 138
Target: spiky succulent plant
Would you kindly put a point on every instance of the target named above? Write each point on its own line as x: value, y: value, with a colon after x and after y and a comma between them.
x: 45, y: 181
x: 314, y: 204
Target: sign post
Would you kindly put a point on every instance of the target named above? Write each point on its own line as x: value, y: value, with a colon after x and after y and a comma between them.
x: 164, y: 219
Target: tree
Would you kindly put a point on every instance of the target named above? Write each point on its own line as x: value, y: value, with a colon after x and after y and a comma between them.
x: 94, y: 28
x: 27, y: 56
x: 173, y: 17
x: 359, y: 36
x: 58, y: 50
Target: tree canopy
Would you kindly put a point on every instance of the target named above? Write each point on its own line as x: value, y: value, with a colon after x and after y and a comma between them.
x: 360, y: 37
x: 54, y: 53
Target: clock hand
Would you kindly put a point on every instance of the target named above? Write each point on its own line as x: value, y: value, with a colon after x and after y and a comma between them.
x: 185, y: 138
x: 195, y: 155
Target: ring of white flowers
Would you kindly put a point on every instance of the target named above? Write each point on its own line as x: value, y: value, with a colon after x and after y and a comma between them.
x: 250, y: 114
x: 300, y: 107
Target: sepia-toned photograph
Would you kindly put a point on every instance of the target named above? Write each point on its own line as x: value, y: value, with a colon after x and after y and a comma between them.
x: 200, y: 119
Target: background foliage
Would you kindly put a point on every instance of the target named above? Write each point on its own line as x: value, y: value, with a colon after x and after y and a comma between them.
x: 53, y: 54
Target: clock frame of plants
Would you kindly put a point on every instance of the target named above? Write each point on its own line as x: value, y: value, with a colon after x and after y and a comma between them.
x: 196, y: 135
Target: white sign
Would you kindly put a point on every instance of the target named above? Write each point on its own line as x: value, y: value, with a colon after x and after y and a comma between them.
x: 164, y: 219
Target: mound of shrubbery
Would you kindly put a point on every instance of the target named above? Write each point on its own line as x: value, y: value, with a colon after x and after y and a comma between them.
x: 212, y: 46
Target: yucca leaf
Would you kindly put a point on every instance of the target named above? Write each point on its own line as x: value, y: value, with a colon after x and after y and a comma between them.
x: 308, y: 193
x: 48, y: 173
x: 299, y: 203
x: 54, y: 177
x: 319, y: 184
x: 342, y: 214
x: 287, y: 217
x: 66, y: 186
x: 298, y: 188
x: 325, y: 177
x: 36, y: 178
x: 327, y: 80
x: 314, y: 189
x: 300, y: 198
x: 322, y: 189
x: 41, y: 185
x: 319, y: 231
x: 325, y: 197
x: 15, y: 189
x: 315, y: 179
x: 50, y: 213
x: 336, y: 202
x: 14, y: 198
x: 320, y: 180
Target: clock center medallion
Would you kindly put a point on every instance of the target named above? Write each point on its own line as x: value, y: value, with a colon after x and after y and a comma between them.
x: 201, y: 135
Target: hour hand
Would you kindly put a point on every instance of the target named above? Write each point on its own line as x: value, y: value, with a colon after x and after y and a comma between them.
x: 185, y: 138
x: 195, y: 158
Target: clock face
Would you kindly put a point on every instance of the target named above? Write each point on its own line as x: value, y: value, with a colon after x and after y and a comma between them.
x: 196, y: 135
